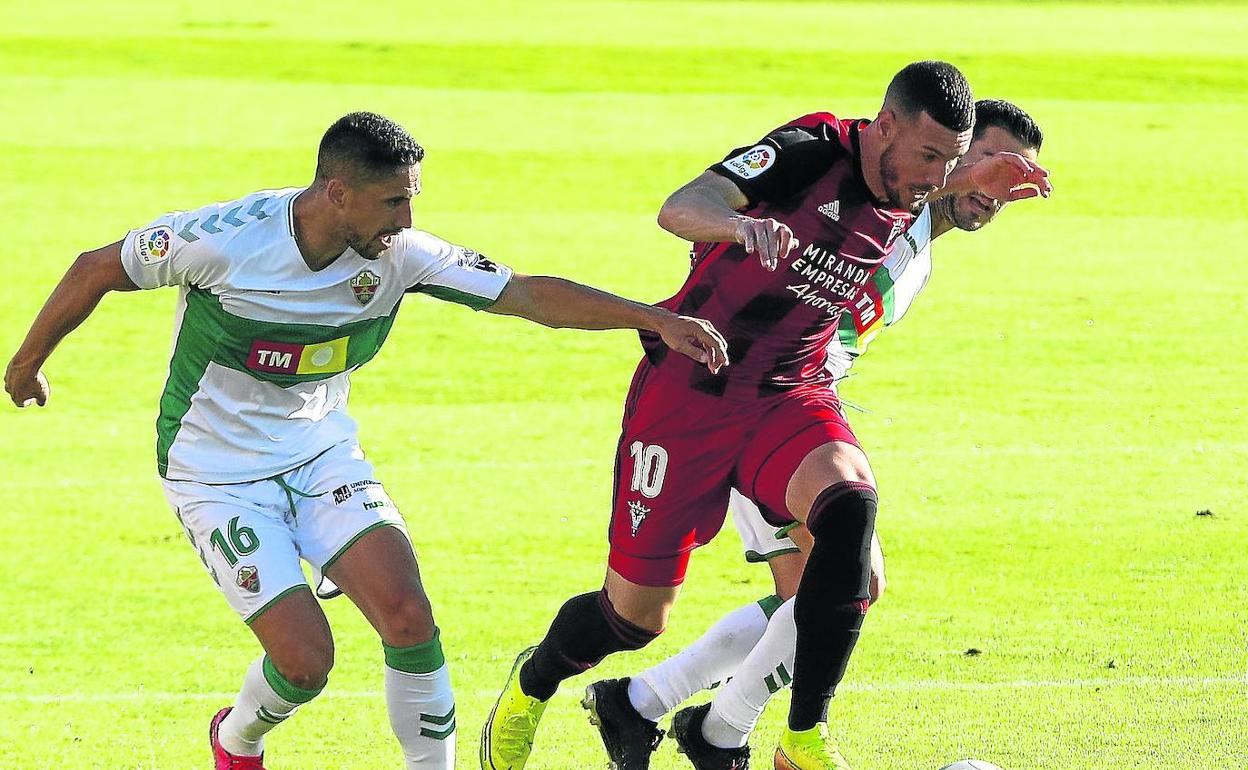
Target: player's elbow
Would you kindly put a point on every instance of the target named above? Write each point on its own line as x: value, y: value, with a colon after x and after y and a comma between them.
x: 670, y: 214
x: 101, y: 269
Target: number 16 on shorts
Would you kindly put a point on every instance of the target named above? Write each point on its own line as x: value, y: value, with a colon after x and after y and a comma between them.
x: 649, y: 468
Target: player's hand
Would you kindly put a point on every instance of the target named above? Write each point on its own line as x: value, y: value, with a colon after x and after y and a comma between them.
x: 1008, y: 176
x: 697, y: 339
x: 878, y: 581
x: 772, y: 241
x: 26, y: 386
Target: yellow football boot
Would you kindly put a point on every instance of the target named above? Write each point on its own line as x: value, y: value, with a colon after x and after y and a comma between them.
x: 507, y: 736
x: 809, y: 749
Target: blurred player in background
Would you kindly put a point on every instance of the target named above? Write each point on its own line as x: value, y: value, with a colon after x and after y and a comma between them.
x: 751, y: 649
x: 282, y: 294
x: 768, y: 424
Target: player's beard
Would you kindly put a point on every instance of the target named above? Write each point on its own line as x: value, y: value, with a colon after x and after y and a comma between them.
x: 965, y: 215
x: 890, y: 177
x: 892, y: 184
x: 370, y: 248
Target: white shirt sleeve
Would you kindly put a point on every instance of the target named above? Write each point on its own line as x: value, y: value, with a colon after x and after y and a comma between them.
x: 453, y: 273
x: 167, y: 253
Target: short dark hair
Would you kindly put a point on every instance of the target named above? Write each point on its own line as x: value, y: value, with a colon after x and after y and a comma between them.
x: 934, y: 87
x: 365, y: 145
x: 1010, y: 117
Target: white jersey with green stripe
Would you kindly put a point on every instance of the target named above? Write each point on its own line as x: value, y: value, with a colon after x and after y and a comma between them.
x: 264, y: 346
x: 886, y: 298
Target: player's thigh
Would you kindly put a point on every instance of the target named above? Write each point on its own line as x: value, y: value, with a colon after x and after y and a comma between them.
x: 350, y: 530
x: 803, y: 444
x: 378, y: 572
x: 338, y: 501
x: 673, y: 463
x: 243, y: 540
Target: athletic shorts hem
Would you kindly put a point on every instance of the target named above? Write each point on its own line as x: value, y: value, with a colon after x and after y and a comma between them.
x: 754, y: 557
x: 652, y: 571
x: 352, y: 541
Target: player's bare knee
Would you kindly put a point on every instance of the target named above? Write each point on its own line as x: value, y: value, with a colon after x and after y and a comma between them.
x: 407, y: 620
x: 305, y: 665
x: 833, y: 463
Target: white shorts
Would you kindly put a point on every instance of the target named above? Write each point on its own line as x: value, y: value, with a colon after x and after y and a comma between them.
x: 762, y: 541
x: 250, y: 536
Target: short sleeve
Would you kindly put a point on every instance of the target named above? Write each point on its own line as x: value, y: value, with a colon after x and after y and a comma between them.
x: 455, y: 273
x: 162, y: 255
x: 781, y: 164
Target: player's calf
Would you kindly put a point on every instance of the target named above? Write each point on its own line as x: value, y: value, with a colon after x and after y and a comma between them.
x: 586, y: 630
x: 421, y: 703
x: 833, y: 597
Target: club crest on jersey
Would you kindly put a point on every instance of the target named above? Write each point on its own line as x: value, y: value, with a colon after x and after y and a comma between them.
x: 248, y: 579
x: 752, y: 162
x: 152, y: 245
x: 637, y: 512
x: 364, y: 286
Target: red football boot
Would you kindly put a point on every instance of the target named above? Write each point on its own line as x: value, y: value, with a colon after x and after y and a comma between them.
x: 225, y: 760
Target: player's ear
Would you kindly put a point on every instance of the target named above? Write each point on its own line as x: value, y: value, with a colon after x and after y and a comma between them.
x: 886, y: 124
x: 336, y: 191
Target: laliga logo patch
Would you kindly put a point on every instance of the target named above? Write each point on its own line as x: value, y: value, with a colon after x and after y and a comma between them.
x: 249, y: 579
x: 152, y: 245
x: 752, y: 162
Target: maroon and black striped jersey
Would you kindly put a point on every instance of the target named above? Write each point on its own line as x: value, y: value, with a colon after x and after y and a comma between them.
x: 806, y: 174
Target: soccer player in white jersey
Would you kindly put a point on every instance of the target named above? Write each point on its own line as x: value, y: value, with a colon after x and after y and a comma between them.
x: 282, y: 294
x: 750, y: 651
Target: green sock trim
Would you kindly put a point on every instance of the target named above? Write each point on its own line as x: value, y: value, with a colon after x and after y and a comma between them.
x: 769, y: 605
x: 285, y: 690
x: 423, y: 658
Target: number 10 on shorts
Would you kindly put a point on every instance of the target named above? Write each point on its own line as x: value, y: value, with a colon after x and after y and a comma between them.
x: 649, y: 468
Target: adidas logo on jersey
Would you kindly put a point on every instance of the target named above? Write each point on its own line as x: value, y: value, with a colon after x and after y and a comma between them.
x: 831, y: 210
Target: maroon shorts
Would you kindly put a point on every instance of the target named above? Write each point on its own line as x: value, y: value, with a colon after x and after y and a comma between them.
x: 681, y: 452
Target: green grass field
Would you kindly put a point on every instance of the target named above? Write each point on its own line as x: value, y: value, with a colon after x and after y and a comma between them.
x: 1045, y: 425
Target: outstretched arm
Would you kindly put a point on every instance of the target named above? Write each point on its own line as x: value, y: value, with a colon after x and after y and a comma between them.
x: 707, y: 210
x: 563, y: 304
x: 93, y: 274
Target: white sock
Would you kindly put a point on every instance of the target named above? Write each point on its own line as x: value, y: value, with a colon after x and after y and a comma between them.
x: 265, y: 701
x: 766, y: 670
x: 709, y: 660
x: 421, y: 704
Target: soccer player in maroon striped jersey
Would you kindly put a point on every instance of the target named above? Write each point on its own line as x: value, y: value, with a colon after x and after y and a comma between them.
x: 750, y: 650
x: 787, y: 232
